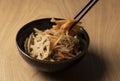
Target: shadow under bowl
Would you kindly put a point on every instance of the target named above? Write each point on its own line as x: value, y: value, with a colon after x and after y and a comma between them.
x: 46, y: 66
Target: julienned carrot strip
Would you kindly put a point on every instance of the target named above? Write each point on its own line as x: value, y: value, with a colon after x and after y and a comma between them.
x: 53, y: 42
x: 61, y: 54
x: 56, y: 27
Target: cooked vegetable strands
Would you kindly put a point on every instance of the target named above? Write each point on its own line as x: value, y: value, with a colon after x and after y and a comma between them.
x: 53, y: 44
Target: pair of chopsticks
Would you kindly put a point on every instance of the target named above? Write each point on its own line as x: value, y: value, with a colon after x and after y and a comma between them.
x: 83, y: 11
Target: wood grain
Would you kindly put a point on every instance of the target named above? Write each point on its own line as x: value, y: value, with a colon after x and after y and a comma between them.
x: 102, y: 24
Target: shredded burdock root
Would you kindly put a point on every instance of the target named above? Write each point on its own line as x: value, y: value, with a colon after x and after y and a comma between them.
x: 53, y: 44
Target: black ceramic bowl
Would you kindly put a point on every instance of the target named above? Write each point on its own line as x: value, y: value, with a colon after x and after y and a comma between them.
x: 46, y: 66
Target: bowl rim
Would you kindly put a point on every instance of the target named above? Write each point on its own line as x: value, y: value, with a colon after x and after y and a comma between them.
x: 48, y: 62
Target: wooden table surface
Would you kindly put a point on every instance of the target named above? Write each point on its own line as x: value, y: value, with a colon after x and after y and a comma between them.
x: 102, y: 63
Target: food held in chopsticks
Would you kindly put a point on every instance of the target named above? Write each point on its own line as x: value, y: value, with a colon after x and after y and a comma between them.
x: 53, y: 44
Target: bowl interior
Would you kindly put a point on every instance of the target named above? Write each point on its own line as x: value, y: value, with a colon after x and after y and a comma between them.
x: 43, y: 24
